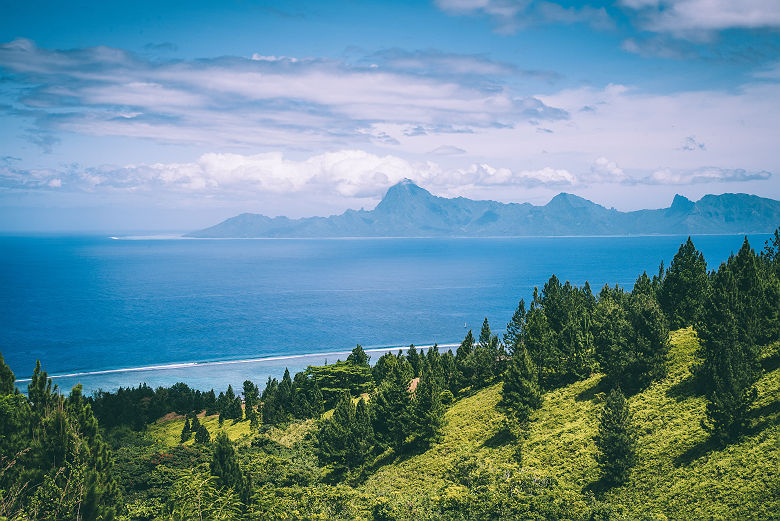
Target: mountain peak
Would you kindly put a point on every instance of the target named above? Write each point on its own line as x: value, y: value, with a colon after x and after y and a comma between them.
x: 680, y: 203
x: 564, y: 199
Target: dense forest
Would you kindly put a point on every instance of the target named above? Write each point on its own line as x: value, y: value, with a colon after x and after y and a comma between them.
x: 580, y: 409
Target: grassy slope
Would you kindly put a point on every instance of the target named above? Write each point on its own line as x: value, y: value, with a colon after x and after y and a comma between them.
x: 678, y: 476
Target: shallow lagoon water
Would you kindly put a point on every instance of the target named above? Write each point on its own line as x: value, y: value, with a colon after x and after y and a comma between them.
x: 96, y: 304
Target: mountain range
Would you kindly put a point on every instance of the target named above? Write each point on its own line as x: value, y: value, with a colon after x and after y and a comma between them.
x: 410, y: 211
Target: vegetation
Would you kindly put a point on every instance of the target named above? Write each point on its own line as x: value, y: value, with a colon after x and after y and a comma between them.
x: 532, y: 427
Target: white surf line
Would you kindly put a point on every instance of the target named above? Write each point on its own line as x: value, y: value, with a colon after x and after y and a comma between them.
x: 184, y: 365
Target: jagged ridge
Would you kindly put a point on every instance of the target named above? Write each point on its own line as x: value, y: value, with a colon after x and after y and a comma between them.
x: 408, y: 210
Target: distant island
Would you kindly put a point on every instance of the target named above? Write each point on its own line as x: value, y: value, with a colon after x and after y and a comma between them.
x: 410, y: 211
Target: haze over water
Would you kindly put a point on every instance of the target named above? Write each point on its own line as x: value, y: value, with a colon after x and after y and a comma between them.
x: 93, y: 304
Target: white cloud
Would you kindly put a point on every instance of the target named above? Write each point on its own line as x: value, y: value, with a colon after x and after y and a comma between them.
x: 667, y: 176
x: 692, y: 17
x: 512, y: 15
x: 263, y: 101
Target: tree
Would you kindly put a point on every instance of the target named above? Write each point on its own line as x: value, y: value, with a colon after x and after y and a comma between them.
x: 185, y: 430
x: 414, y: 360
x: 515, y: 329
x: 727, y: 332
x: 358, y: 356
x: 392, y: 406
x: 427, y: 412
x: 7, y: 377
x: 224, y: 466
x: 346, y: 438
x: 630, y: 337
x: 251, y: 400
x: 684, y: 287
x: 521, y: 394
x: 615, y: 440
x: 202, y: 435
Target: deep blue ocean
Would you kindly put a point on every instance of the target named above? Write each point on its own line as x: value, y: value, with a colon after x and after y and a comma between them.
x: 91, y: 308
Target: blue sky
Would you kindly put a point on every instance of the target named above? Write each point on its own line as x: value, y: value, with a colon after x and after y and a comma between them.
x: 122, y: 116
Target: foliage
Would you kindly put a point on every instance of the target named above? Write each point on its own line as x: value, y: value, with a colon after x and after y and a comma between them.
x: 520, y: 394
x: 615, y: 440
x: 684, y: 286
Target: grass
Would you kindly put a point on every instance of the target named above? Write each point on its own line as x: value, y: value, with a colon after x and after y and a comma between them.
x: 678, y: 475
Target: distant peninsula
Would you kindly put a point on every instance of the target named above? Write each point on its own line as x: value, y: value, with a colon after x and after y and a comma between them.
x: 410, y: 211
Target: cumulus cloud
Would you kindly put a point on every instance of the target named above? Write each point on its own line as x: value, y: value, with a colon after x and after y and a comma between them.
x: 605, y: 171
x: 259, y: 101
x: 346, y: 173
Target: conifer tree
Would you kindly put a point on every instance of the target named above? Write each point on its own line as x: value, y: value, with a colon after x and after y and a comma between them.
x: 346, y: 438
x: 358, y: 356
x: 194, y: 424
x: 392, y: 410
x: 521, y: 394
x: 7, y: 378
x: 730, y: 365
x: 463, y: 358
x: 515, y: 329
x: 684, y: 287
x: 427, y: 412
x: 414, y: 360
x: 615, y: 440
x: 185, y: 431
x: 224, y: 466
x: 202, y: 435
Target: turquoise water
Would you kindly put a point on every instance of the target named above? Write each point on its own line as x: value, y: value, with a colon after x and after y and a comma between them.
x: 95, y: 307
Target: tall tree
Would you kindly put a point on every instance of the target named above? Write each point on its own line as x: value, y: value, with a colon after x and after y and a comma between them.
x: 515, y: 329
x: 345, y: 439
x: 684, y: 287
x: 521, y: 394
x: 186, y: 432
x: 615, y: 440
x: 224, y: 465
x: 392, y: 409
x: 7, y: 377
x: 427, y: 411
x: 728, y: 331
x: 358, y: 356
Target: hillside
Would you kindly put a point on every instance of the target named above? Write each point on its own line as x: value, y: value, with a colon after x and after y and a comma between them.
x: 410, y: 211
x: 678, y: 475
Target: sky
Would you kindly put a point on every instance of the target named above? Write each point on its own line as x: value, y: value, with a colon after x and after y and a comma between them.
x: 162, y: 116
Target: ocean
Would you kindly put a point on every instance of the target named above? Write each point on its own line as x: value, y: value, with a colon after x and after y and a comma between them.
x: 107, y: 311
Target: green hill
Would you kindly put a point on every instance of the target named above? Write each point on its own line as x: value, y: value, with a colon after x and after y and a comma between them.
x: 678, y: 475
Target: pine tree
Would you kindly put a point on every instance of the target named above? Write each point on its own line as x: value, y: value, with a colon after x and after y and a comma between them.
x: 683, y: 290
x: 463, y: 359
x: 346, y: 438
x: 7, y: 378
x: 521, y: 394
x: 615, y: 440
x: 414, y: 360
x: 427, y: 412
x: 194, y: 424
x: 392, y: 408
x: 730, y: 365
x: 202, y: 435
x: 358, y: 356
x: 515, y: 329
x: 185, y: 431
x: 224, y: 466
